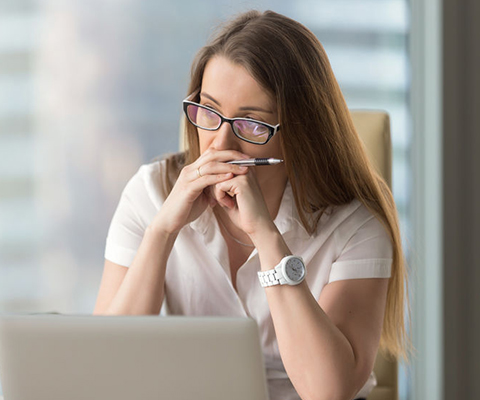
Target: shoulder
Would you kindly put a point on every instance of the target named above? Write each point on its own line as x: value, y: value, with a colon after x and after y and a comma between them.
x: 351, y: 217
x: 157, y: 178
x: 359, y: 231
x: 349, y: 225
x: 148, y: 183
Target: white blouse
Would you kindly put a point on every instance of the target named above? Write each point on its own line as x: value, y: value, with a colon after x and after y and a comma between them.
x: 350, y: 243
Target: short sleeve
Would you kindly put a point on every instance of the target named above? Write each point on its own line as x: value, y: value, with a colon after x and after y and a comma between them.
x: 132, y: 216
x: 367, y: 254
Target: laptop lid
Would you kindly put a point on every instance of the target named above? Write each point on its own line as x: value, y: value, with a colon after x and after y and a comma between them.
x: 130, y: 357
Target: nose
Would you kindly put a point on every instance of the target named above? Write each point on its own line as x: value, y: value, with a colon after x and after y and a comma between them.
x: 225, y: 139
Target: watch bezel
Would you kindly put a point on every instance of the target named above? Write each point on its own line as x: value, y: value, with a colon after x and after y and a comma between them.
x: 289, y: 281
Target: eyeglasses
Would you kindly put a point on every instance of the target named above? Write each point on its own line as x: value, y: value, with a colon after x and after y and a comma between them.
x: 247, y: 129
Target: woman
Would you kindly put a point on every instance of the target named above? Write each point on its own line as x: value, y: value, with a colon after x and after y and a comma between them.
x: 196, y: 230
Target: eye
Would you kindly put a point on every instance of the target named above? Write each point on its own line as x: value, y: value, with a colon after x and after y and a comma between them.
x: 208, y: 114
x: 207, y: 118
x: 260, y: 130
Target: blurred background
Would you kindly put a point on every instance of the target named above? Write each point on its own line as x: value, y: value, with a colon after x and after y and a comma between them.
x: 91, y: 90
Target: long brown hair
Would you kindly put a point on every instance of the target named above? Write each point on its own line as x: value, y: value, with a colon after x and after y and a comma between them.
x: 324, y: 157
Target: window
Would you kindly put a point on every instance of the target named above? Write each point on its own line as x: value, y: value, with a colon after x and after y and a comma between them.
x: 90, y: 91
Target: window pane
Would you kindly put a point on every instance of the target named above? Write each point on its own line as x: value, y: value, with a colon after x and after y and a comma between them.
x: 91, y: 90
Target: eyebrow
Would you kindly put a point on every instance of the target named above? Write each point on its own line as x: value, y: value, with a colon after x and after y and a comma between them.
x: 248, y: 108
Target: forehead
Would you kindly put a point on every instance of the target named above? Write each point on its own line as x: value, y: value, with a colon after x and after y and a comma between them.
x: 231, y: 84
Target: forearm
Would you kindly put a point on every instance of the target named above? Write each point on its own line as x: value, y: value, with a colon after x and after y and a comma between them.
x: 317, y: 356
x: 142, y: 290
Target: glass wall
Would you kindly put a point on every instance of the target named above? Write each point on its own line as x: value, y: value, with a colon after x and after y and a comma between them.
x: 91, y: 90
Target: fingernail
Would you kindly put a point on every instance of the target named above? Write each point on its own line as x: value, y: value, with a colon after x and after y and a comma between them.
x: 242, y: 168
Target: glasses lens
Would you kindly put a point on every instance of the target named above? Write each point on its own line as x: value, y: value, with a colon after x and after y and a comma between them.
x: 251, y: 130
x: 202, y: 117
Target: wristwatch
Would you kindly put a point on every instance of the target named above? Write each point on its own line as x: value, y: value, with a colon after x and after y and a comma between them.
x: 290, y: 271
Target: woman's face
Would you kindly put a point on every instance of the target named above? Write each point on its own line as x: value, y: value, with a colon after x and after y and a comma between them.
x: 233, y: 92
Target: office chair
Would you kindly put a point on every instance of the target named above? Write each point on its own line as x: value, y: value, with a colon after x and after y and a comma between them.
x: 373, y: 127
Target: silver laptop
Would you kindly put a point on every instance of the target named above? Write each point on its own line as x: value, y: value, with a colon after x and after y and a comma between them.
x: 60, y: 357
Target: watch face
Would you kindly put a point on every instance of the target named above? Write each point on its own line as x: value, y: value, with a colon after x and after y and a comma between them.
x: 295, y: 269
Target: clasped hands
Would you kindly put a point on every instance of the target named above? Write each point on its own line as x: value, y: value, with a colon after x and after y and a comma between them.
x: 210, y: 180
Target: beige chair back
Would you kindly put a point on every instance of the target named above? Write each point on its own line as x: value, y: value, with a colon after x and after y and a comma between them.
x: 373, y: 127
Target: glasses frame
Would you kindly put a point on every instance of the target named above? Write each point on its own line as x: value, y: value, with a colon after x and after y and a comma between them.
x: 273, y: 129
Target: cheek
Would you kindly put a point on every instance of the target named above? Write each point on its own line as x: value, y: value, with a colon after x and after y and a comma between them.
x: 271, y: 149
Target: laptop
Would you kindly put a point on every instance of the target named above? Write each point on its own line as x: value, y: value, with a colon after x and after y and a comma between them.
x: 79, y: 357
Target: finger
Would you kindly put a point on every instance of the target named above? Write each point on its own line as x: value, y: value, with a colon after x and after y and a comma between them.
x: 221, y: 156
x: 225, y: 192
x: 224, y: 198
x: 199, y: 184
x: 232, y: 186
x: 229, y: 202
x: 215, y: 168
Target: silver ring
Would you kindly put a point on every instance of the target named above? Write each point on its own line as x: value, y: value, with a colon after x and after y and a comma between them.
x: 198, y: 172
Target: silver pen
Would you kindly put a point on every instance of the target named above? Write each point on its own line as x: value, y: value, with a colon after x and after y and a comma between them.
x: 255, y: 161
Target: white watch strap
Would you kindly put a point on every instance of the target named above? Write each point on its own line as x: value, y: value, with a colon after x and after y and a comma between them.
x: 269, y: 278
